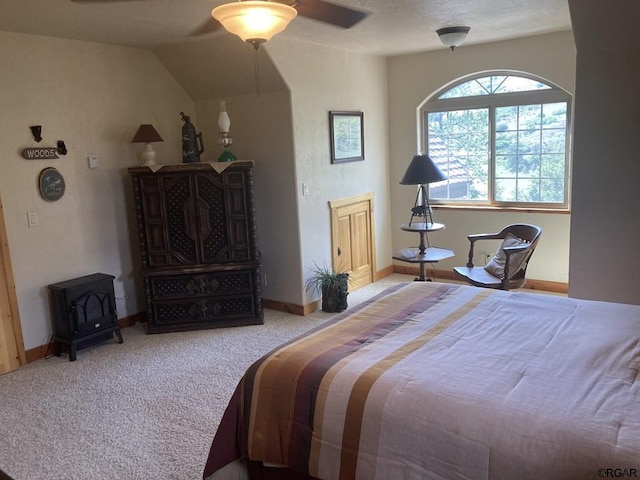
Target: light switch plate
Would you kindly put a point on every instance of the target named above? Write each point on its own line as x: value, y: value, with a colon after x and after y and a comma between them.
x: 92, y: 161
x: 32, y: 219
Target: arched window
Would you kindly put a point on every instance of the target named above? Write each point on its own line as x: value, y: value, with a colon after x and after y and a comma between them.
x: 501, y: 138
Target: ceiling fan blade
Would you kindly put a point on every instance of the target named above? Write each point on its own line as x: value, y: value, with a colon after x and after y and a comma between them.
x: 210, y: 25
x: 107, y: 1
x: 329, y: 13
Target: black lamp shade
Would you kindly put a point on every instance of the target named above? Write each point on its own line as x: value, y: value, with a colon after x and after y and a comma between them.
x: 422, y: 170
x: 146, y: 134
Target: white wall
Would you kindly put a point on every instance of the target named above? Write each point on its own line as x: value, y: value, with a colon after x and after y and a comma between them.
x: 604, y: 225
x: 323, y: 79
x: 412, y: 78
x: 93, y: 97
x: 261, y: 129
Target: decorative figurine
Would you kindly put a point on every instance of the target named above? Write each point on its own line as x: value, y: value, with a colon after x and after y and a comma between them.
x: 36, y: 131
x: 190, y: 149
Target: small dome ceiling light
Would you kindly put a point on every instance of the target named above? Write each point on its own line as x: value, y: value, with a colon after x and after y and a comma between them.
x: 453, y: 37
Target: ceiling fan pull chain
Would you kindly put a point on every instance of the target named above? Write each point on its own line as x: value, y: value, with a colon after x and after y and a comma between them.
x: 256, y: 66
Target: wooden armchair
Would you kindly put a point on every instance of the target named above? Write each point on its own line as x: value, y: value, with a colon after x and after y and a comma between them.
x: 508, y: 267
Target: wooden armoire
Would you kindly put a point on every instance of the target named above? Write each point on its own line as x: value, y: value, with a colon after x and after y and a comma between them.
x: 198, y: 245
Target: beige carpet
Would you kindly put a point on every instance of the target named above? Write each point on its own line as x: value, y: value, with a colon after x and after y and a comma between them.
x: 146, y: 409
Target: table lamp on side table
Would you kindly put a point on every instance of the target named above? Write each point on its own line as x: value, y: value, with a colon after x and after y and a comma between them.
x: 422, y: 171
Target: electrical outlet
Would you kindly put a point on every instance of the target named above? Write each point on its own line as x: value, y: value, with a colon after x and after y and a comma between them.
x: 264, y: 280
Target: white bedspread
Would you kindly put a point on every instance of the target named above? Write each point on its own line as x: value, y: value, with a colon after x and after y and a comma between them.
x: 437, y: 381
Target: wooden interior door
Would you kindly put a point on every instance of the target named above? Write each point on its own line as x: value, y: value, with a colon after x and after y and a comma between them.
x: 352, y: 239
x: 12, y: 353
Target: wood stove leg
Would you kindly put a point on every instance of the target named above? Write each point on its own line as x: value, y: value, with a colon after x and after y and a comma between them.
x: 119, y: 335
x: 72, y: 351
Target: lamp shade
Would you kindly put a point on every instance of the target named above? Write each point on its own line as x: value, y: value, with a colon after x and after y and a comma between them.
x: 224, y: 122
x: 453, y: 37
x: 146, y: 134
x: 255, y: 21
x: 422, y: 170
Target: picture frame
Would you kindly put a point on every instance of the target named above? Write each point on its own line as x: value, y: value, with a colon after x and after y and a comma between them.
x: 51, y: 184
x: 346, y: 131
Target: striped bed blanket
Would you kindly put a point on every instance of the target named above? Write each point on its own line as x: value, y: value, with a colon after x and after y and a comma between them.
x: 442, y: 381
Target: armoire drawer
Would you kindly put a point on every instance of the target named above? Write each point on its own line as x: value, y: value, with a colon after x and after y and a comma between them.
x: 165, y: 287
x: 212, y: 312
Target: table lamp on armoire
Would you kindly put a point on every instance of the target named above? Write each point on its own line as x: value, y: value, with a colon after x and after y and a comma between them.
x: 422, y: 171
x: 147, y: 134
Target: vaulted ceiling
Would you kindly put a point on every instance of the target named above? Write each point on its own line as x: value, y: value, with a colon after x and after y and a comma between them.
x: 390, y: 28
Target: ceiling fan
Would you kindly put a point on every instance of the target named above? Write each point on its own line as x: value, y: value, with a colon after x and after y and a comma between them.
x: 319, y: 10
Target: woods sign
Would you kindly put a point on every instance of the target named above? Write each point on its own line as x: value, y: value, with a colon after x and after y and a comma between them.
x: 42, y: 153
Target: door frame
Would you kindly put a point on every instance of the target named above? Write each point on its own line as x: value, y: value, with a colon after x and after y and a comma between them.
x: 11, y: 306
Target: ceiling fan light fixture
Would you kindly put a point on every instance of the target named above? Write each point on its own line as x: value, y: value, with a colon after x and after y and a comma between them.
x: 254, y: 21
x: 453, y: 37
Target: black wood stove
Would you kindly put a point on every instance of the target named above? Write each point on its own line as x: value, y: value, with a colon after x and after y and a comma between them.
x: 84, y: 312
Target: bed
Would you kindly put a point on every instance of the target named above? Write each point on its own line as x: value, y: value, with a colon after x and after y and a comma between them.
x: 442, y: 381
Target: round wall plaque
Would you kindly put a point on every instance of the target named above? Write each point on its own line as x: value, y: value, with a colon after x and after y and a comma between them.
x: 51, y: 184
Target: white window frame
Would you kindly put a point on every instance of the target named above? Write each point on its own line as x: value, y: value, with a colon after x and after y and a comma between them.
x: 552, y: 95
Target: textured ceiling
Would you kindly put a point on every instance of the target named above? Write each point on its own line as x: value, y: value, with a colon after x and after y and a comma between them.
x: 391, y: 28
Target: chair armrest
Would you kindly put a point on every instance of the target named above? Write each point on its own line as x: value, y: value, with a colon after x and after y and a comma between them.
x: 473, y: 238
x: 484, y: 236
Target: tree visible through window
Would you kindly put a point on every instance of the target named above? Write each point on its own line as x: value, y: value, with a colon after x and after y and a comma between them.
x: 500, y: 139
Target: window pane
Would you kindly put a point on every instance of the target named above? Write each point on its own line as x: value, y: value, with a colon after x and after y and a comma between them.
x: 468, y: 89
x: 506, y: 119
x: 529, y: 141
x: 478, y: 143
x: 494, y: 84
x: 552, y: 190
x: 506, y: 142
x: 554, y: 115
x: 528, y: 190
x: 552, y: 166
x: 458, y: 142
x: 506, y: 165
x: 529, y: 166
x: 505, y: 190
x: 554, y: 140
x: 519, y: 84
x: 529, y: 116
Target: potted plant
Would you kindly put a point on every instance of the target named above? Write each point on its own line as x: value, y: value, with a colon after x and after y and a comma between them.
x: 332, y: 285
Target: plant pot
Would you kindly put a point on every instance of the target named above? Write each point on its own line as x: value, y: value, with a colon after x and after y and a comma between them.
x: 334, y: 296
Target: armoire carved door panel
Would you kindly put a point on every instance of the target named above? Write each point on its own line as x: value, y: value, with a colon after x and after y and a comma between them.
x: 168, y: 221
x: 212, y: 218
x: 180, y: 220
x: 239, y: 234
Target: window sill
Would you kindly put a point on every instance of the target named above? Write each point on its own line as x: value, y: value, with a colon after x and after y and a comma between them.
x: 492, y: 208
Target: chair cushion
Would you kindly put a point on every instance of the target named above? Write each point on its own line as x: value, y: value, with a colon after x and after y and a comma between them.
x: 495, y: 266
